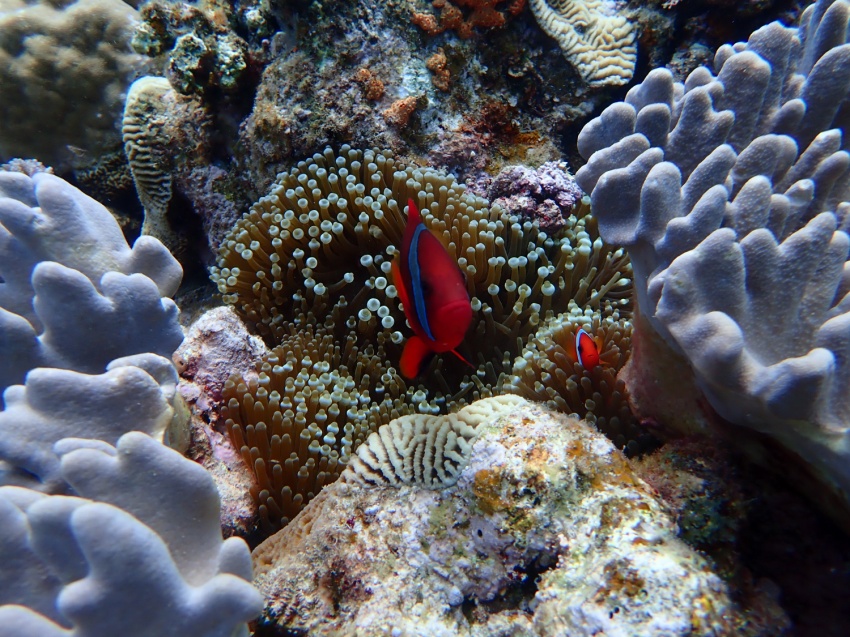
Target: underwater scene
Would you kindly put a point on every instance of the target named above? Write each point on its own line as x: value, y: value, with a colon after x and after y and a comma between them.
x: 424, y: 318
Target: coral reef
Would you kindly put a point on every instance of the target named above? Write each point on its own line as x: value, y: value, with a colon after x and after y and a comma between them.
x: 157, y: 563
x: 373, y: 87
x: 64, y: 67
x: 313, y: 94
x: 594, y: 38
x: 547, y: 372
x: 136, y: 393
x: 322, y: 216
x: 209, y: 189
x: 70, y: 280
x: 110, y: 181
x: 781, y: 559
x: 218, y: 345
x: 426, y: 451
x: 399, y: 112
x: 730, y: 194
x: 438, y: 65
x: 313, y: 401
x: 547, y: 531
x: 309, y: 268
x: 448, y: 504
x: 480, y: 14
x: 28, y: 167
x: 166, y: 140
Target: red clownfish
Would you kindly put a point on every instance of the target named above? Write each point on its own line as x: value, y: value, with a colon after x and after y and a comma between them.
x: 433, y: 292
x: 586, y: 350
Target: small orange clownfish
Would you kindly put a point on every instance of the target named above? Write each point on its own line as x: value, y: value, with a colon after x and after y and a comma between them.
x: 586, y: 350
x: 433, y: 292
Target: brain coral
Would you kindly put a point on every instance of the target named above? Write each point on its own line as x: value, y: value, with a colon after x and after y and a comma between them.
x: 64, y: 67
x: 310, y: 263
x: 600, y: 43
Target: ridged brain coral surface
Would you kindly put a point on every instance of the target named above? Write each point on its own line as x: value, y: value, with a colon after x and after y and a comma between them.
x: 147, y: 149
x: 315, y: 255
x: 600, y: 43
x: 428, y: 451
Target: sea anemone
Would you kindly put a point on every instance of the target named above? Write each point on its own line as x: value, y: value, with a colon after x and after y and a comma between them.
x: 311, y: 263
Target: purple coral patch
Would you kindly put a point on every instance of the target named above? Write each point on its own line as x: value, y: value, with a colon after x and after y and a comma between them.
x: 547, y: 195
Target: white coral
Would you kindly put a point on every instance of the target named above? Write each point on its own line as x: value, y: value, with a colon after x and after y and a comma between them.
x: 600, y: 44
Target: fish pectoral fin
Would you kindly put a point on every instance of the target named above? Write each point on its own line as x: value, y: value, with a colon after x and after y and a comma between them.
x: 461, y: 357
x: 414, y: 353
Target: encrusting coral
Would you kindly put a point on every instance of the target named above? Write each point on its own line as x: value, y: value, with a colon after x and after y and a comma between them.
x: 597, y: 41
x: 202, y: 44
x: 730, y: 192
x: 481, y: 14
x: 309, y: 267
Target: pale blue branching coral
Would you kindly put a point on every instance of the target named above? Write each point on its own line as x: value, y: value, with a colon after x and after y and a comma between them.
x: 730, y: 192
x: 140, y: 548
x: 74, y: 295
x: 137, y: 392
x: 83, y: 566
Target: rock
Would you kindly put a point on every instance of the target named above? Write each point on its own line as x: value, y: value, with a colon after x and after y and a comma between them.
x: 217, y: 345
x: 548, y: 195
x: 547, y: 531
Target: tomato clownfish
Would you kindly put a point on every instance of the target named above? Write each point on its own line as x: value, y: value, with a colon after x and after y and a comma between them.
x: 433, y: 292
x: 586, y: 350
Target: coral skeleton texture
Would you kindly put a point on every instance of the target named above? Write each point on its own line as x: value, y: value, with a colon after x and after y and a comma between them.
x: 594, y: 38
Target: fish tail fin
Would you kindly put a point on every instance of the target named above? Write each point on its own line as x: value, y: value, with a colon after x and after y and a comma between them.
x: 414, y: 353
x: 460, y: 356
